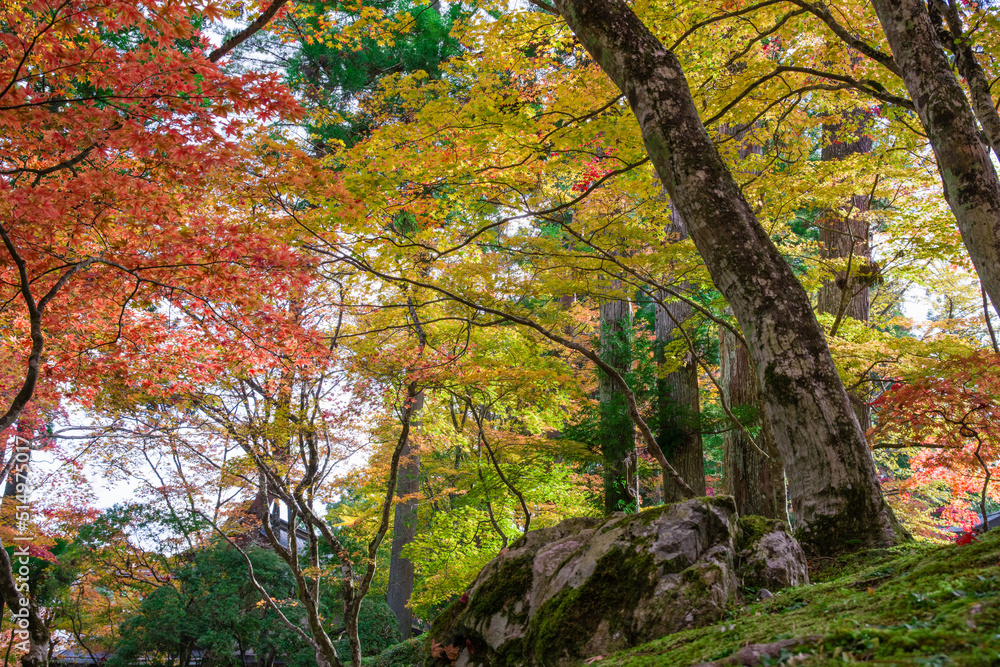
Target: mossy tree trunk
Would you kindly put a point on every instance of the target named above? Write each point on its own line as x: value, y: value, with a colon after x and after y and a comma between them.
x: 970, y: 181
x: 617, y: 435
x: 752, y: 470
x: 832, y: 479
x: 677, y: 405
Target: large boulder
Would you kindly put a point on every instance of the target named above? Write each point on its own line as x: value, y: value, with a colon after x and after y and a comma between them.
x: 768, y: 556
x: 589, y: 586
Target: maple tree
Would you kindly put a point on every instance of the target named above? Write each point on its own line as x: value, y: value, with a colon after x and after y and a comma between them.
x: 438, y: 236
x: 116, y: 125
x: 945, y: 414
x: 515, y: 105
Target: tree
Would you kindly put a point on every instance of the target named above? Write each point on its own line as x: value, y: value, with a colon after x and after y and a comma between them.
x: 918, y: 34
x: 677, y: 393
x: 337, y: 67
x: 115, y: 126
x: 835, y: 492
x: 929, y: 43
x: 94, y: 150
x: 752, y: 471
x: 845, y: 235
x: 946, y: 413
x: 210, y: 606
x: 617, y: 439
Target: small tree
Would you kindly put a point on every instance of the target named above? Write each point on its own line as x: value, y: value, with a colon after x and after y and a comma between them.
x: 949, y: 411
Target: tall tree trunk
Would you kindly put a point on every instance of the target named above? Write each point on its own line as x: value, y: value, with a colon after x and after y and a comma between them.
x: 970, y: 181
x: 844, y: 235
x: 751, y: 466
x: 617, y: 431
x: 834, y: 488
x: 677, y: 396
x: 404, y: 531
x: 752, y: 470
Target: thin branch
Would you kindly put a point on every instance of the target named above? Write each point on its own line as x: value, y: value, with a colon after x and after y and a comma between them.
x: 482, y: 438
x: 260, y: 588
x: 616, y: 377
x: 820, y: 10
x: 65, y: 164
x: 35, y: 311
x: 545, y: 7
x: 721, y: 17
x: 865, y: 86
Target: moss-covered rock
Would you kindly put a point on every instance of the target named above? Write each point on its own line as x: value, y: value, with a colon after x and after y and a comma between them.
x: 590, y: 586
x: 768, y: 556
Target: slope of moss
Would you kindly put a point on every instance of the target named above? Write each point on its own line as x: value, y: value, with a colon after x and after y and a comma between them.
x: 916, y: 604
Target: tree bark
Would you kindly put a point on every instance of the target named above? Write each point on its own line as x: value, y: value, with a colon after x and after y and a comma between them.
x: 832, y: 479
x: 970, y: 181
x: 404, y: 523
x: 947, y: 16
x: 404, y: 530
x: 752, y: 471
x: 677, y: 397
x: 844, y: 236
x: 617, y: 439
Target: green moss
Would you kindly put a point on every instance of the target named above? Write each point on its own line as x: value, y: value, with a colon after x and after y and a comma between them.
x: 751, y: 528
x: 727, y: 503
x: 509, y: 583
x: 695, y: 584
x: 646, y: 517
x: 847, y: 530
x: 405, y: 654
x: 779, y: 385
x: 442, y: 622
x: 565, y: 622
x: 914, y: 604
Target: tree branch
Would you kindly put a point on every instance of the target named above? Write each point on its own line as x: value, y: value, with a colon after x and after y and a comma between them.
x: 35, y: 311
x: 820, y: 10
x: 637, y: 419
x: 247, y: 32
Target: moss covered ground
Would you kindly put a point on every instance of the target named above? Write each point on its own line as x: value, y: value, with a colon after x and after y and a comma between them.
x: 916, y: 604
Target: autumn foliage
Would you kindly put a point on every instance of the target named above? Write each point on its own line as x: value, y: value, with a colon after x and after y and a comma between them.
x: 120, y: 139
x: 234, y: 284
x: 948, y: 414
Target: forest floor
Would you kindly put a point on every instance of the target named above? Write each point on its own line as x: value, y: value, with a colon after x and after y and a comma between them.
x: 916, y: 604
